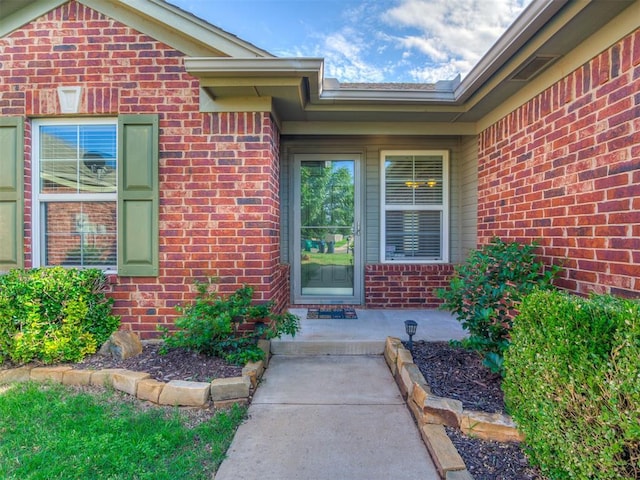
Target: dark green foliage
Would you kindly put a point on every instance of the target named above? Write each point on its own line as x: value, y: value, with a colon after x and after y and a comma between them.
x: 486, y: 290
x: 572, y: 384
x: 53, y: 314
x: 212, y: 325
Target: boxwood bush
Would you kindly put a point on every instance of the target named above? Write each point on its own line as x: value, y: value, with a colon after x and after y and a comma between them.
x: 572, y: 384
x: 53, y: 314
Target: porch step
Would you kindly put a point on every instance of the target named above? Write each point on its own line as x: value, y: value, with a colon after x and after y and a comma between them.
x: 327, y: 347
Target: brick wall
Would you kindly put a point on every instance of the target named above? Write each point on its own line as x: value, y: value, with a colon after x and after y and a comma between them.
x: 564, y: 169
x: 219, y: 178
x: 404, y: 286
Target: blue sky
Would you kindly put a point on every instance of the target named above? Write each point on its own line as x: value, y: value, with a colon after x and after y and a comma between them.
x: 368, y: 40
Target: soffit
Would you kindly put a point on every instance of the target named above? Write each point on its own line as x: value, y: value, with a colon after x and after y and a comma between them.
x: 559, y: 35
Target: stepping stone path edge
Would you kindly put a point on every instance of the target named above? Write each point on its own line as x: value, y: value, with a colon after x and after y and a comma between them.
x: 221, y: 392
x: 432, y: 413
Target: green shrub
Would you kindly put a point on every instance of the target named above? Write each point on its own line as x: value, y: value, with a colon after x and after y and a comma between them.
x: 213, y: 325
x: 485, y: 291
x: 53, y: 314
x: 572, y: 384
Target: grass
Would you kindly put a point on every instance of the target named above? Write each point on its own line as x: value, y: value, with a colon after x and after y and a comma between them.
x: 53, y: 432
x: 342, y: 259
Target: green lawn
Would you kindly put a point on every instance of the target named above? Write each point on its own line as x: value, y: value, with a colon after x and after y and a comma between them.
x: 53, y: 432
x: 327, y: 259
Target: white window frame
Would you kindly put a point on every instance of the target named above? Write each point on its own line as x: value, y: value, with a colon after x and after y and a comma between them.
x: 37, y: 226
x: 444, y: 207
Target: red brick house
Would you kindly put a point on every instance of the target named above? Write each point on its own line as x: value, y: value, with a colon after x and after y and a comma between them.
x: 140, y: 139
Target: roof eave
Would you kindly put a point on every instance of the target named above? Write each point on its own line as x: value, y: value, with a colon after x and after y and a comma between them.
x: 312, y: 70
x: 532, y: 19
x: 200, y: 26
x: 309, y: 69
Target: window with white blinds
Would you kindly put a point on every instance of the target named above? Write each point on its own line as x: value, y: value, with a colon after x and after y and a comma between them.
x: 415, y: 220
x: 75, y: 192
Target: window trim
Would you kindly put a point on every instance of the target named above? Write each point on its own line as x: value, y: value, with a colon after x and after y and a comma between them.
x: 444, y: 207
x: 37, y: 227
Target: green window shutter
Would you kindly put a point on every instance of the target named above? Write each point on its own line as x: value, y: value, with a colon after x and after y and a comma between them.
x: 11, y: 192
x: 138, y: 195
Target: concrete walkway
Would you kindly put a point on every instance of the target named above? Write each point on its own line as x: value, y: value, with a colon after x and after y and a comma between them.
x: 320, y: 416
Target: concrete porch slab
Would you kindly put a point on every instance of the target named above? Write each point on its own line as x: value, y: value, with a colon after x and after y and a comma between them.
x: 365, y: 335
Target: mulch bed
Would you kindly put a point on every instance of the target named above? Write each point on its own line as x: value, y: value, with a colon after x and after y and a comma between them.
x: 488, y: 460
x: 176, y: 364
x: 457, y: 373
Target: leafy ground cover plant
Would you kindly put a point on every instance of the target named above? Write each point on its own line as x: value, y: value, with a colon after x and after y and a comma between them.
x: 213, y: 325
x: 485, y: 291
x: 53, y: 314
x: 53, y: 432
x: 572, y: 384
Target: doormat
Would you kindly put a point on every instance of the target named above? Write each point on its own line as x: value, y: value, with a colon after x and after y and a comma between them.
x: 331, y: 313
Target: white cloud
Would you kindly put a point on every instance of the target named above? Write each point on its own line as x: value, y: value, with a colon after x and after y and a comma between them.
x: 342, y: 43
x: 452, y: 34
x: 345, y: 56
x: 415, y: 40
x: 349, y: 53
x: 425, y: 46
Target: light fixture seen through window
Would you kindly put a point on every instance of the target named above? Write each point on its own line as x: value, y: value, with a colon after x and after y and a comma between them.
x: 429, y: 183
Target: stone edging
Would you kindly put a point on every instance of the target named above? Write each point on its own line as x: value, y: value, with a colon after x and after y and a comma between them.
x: 432, y: 413
x: 222, y: 392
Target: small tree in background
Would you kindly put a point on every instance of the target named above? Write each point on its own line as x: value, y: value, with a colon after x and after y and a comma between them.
x: 486, y: 290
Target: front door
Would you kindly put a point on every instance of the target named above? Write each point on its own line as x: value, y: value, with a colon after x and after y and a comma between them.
x: 326, y: 244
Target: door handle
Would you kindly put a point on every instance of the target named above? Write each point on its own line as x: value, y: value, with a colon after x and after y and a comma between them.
x: 357, y: 231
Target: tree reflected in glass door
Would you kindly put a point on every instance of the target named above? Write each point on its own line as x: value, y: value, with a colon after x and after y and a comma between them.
x: 327, y: 227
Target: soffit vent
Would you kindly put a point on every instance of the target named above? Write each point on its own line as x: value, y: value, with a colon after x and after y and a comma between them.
x: 533, y: 67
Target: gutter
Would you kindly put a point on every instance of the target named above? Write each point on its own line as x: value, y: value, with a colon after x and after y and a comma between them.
x: 252, y: 67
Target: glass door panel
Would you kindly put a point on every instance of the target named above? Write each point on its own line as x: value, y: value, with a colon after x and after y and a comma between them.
x: 327, y: 230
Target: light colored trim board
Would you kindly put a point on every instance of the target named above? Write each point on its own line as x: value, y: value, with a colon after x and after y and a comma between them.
x: 25, y: 14
x: 238, y: 104
x: 377, y: 128
x: 235, y: 104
